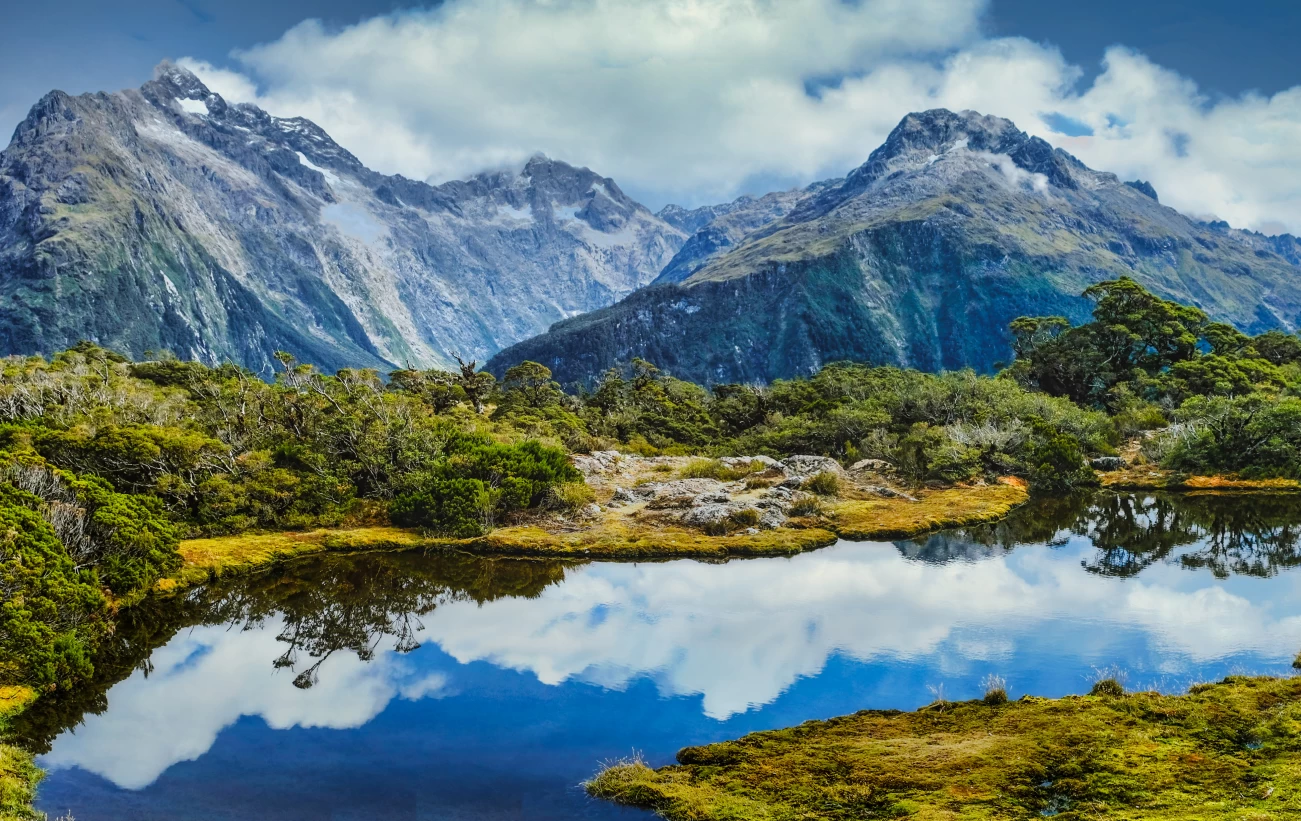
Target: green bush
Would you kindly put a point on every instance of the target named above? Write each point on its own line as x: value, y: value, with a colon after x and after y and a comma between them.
x: 1057, y: 465
x: 135, y: 541
x: 50, y: 612
x: 1107, y: 687
x: 450, y: 507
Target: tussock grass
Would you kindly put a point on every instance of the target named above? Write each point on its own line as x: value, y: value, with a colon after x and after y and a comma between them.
x: 1224, y: 751
x: 715, y: 469
x: 823, y: 484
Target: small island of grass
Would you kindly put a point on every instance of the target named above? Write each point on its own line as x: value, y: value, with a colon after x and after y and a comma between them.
x: 1230, y: 750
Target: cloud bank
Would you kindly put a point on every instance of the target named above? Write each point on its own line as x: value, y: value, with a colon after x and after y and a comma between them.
x: 701, y: 100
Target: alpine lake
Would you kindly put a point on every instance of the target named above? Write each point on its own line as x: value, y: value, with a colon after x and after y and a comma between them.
x: 405, y: 686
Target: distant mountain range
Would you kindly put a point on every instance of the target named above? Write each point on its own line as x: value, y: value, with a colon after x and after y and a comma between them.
x: 165, y: 218
x: 921, y: 257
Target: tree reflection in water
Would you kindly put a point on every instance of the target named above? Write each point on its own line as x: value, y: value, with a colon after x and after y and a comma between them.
x: 364, y: 603
x: 357, y: 602
x: 1251, y: 535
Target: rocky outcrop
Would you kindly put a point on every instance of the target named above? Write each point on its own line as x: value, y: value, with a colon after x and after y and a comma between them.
x: 708, y: 504
x: 165, y: 218
x: 921, y: 258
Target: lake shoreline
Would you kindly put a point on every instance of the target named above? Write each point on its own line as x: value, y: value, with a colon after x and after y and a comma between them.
x: 615, y: 536
x: 1221, y: 751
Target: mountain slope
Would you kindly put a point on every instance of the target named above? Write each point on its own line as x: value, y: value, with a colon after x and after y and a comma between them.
x: 165, y: 218
x: 718, y: 228
x: 921, y: 257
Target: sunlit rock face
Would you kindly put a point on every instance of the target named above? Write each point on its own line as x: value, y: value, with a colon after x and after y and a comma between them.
x: 921, y: 257
x: 165, y: 218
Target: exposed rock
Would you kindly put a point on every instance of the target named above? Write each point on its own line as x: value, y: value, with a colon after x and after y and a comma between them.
x: 779, y: 497
x: 624, y: 496
x: 590, y: 511
x: 871, y: 466
x: 805, y: 466
x: 889, y: 492
x: 746, y: 461
x: 678, y: 493
x: 599, y: 461
x: 1108, y: 463
x: 711, y: 513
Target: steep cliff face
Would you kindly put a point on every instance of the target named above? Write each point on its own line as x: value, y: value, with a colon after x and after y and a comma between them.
x: 165, y: 218
x: 920, y: 257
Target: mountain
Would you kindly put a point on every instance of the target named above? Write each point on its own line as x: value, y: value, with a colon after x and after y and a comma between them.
x: 921, y: 257
x: 165, y: 218
x: 714, y: 229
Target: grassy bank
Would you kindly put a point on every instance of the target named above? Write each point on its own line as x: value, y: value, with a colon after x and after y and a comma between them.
x: 1224, y: 751
x: 1149, y: 478
x: 18, y: 772
x: 617, y: 535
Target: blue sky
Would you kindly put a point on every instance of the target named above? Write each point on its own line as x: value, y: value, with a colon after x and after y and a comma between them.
x: 674, y: 119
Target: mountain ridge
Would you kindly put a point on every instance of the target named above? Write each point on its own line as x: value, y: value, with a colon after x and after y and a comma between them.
x: 167, y: 218
x: 920, y: 257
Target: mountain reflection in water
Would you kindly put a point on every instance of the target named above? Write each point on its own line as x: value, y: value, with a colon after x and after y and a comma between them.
x: 441, y: 686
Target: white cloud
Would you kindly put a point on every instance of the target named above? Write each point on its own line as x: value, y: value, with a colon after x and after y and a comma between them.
x: 740, y: 634
x: 688, y: 99
x: 205, y: 679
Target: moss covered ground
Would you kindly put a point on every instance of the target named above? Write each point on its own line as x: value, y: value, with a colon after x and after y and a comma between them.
x: 19, y: 774
x: 1225, y: 751
x: 1150, y: 478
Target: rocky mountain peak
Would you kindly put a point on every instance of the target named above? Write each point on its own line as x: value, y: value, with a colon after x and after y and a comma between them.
x: 923, y: 138
x: 181, y: 82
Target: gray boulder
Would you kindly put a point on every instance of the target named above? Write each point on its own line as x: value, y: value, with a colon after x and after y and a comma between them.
x: 805, y: 466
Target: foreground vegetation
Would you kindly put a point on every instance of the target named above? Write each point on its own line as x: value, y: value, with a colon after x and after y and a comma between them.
x: 19, y: 775
x: 1223, y: 751
x: 106, y: 465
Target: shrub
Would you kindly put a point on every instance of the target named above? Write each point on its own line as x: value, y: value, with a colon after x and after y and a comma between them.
x: 571, y: 496
x: 1107, y: 687
x: 1057, y: 464
x: 995, y: 690
x: 715, y: 469
x: 50, y: 611
x: 824, y: 483
x: 452, y: 507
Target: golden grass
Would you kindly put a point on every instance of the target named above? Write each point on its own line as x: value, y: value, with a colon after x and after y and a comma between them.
x: 14, y: 698
x: 1144, y: 478
x: 615, y: 536
x: 865, y: 520
x: 1226, y: 751
x: 19, y: 774
x: 206, y: 559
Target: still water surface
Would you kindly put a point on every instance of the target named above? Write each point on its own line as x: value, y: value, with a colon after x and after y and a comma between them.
x: 450, y: 687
